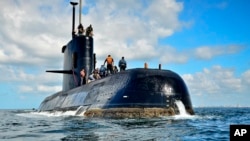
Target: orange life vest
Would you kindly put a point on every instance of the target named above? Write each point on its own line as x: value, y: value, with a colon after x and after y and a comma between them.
x: 109, y: 60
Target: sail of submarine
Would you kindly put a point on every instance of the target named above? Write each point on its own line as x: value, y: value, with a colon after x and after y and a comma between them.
x: 138, y: 92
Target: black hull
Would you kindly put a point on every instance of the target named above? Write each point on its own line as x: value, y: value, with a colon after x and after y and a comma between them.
x: 132, y: 93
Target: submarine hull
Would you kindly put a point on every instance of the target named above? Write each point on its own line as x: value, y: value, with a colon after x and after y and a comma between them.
x: 128, y: 94
x: 138, y: 92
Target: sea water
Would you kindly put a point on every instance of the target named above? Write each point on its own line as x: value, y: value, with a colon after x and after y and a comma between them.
x: 208, y: 123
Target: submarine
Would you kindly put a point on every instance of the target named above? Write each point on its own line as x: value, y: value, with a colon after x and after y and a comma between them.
x: 133, y: 93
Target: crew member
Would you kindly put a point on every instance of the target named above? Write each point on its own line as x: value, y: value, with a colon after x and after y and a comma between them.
x: 115, y: 69
x: 80, y: 30
x: 83, y: 78
x: 96, y: 74
x: 110, y: 62
x: 102, y: 71
x: 122, y: 64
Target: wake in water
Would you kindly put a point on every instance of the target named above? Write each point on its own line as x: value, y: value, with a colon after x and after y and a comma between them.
x: 209, y: 123
x: 80, y: 112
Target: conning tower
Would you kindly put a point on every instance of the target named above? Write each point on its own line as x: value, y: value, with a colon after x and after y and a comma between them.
x: 78, y: 55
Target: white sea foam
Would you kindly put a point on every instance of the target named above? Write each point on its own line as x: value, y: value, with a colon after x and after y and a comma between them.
x: 35, y: 114
x: 183, y: 113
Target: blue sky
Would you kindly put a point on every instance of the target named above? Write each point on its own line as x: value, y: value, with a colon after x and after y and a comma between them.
x: 205, y: 41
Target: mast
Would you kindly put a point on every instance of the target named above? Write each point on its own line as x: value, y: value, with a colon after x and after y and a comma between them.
x: 73, y: 18
x: 80, y: 11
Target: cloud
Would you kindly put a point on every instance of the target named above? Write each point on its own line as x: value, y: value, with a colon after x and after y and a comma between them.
x: 30, y: 83
x: 222, y: 5
x: 132, y: 26
x: 208, y: 52
x: 246, y: 78
x: 217, y: 80
x: 167, y: 10
x: 31, y: 35
x: 169, y: 54
x: 47, y: 90
x: 37, y: 30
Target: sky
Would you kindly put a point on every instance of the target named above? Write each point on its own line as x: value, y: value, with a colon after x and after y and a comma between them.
x: 206, y: 42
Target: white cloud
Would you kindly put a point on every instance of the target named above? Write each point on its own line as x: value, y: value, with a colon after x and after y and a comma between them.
x: 163, y: 16
x: 246, y: 79
x: 38, y: 89
x: 29, y: 34
x: 26, y: 89
x: 37, y: 30
x: 171, y: 55
x: 208, y: 52
x: 132, y: 28
x: 48, y: 89
x: 217, y: 80
x: 30, y: 83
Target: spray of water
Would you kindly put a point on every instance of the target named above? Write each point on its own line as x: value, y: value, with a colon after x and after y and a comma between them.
x: 181, y: 107
x: 182, y: 110
x: 78, y: 112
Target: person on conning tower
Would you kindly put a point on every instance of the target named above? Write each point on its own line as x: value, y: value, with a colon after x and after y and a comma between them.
x: 110, y: 63
x: 80, y: 30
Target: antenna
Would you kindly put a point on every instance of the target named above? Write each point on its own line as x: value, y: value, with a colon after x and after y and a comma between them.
x: 80, y: 11
x: 73, y: 18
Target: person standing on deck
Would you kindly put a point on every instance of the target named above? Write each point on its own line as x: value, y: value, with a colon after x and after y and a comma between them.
x: 110, y: 63
x: 102, y: 71
x: 122, y: 64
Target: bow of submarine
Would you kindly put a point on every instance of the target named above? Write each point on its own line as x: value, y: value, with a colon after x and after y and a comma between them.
x: 143, y: 89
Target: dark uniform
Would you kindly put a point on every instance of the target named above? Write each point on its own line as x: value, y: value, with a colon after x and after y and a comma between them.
x: 122, y: 64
